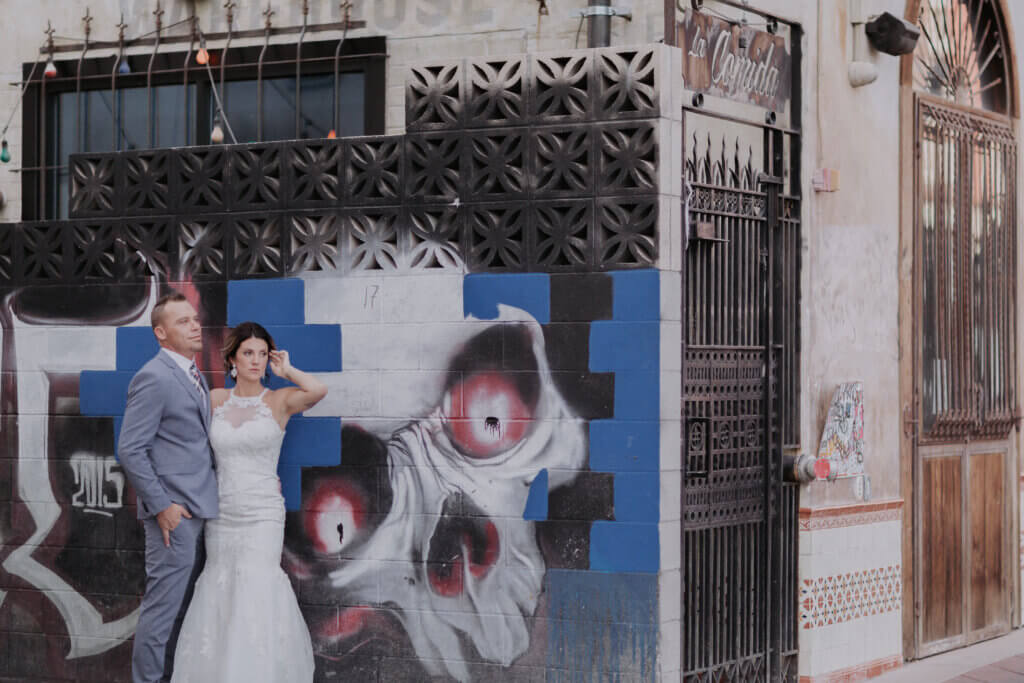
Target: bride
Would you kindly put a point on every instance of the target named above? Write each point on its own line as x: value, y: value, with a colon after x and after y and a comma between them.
x: 243, y: 624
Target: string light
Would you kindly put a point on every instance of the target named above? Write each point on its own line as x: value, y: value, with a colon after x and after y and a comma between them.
x: 217, y: 134
x: 51, y: 68
x: 331, y: 134
x: 5, y: 153
x: 202, y: 57
x: 123, y: 67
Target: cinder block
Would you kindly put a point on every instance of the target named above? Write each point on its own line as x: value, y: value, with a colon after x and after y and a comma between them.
x: 423, y: 298
x: 308, y: 442
x: 411, y: 394
x: 376, y: 346
x: 624, y: 346
x: 637, y: 395
x: 671, y: 296
x: 670, y: 534
x: 669, y: 596
x: 77, y: 348
x: 135, y: 347
x: 344, y: 300
x: 314, y: 348
x: 637, y: 497
x: 623, y: 547
x: 671, y: 495
x: 103, y: 392
x: 530, y: 292
x: 349, y: 394
x: 623, y: 446
x: 269, y: 302
x: 671, y: 452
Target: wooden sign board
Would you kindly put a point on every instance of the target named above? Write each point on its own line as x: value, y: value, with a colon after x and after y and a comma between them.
x: 737, y: 62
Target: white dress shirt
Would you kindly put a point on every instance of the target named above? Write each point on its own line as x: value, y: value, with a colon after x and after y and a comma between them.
x: 184, y: 363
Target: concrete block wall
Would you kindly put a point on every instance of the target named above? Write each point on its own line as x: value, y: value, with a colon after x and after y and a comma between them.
x: 554, y: 569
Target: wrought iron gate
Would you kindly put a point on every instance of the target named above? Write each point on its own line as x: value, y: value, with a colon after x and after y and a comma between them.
x: 740, y: 360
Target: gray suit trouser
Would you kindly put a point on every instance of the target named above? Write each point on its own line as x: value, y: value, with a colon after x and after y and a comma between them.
x: 170, y: 576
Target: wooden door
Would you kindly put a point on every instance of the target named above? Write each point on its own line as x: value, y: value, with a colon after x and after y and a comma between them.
x: 963, y: 545
x: 964, y: 375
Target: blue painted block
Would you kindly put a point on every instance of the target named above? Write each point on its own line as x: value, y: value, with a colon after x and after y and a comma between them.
x: 103, y: 392
x: 482, y: 292
x: 601, y: 624
x: 637, y: 295
x: 624, y: 346
x: 637, y: 395
x: 291, y: 486
x: 619, y: 446
x: 314, y: 348
x: 135, y: 346
x: 637, y: 497
x: 537, y: 500
x: 267, y: 302
x: 308, y: 442
x: 623, y: 547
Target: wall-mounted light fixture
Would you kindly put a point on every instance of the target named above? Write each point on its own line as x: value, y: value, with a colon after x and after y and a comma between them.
x: 892, y: 35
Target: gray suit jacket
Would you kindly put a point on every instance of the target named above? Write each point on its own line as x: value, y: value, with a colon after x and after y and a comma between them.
x: 164, y: 445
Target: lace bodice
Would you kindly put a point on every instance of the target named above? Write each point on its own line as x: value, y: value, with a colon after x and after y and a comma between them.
x: 246, y: 442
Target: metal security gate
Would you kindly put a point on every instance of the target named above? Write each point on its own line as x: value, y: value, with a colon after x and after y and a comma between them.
x: 740, y: 360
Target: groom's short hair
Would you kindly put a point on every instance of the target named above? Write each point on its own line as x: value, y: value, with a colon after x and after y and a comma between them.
x: 156, y: 317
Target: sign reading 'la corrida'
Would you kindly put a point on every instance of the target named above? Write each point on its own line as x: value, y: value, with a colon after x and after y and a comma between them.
x: 717, y: 62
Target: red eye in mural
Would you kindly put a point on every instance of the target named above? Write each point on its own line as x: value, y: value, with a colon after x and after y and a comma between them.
x: 334, y: 515
x: 486, y: 414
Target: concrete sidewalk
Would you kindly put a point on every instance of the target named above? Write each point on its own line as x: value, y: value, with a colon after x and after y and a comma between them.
x: 998, y: 660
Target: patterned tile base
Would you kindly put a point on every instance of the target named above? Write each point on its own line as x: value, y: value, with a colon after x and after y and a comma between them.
x: 831, y: 600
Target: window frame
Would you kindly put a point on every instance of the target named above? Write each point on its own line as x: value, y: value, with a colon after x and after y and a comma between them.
x: 366, y: 55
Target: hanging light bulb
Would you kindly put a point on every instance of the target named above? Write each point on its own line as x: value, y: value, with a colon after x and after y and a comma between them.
x: 217, y: 134
x: 123, y: 67
x: 5, y: 153
x: 51, y: 69
x: 202, y: 57
x: 331, y: 134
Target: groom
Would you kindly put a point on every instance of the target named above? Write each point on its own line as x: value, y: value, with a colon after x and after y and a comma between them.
x: 164, y: 449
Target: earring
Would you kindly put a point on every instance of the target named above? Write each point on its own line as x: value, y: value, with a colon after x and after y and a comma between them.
x: 234, y: 372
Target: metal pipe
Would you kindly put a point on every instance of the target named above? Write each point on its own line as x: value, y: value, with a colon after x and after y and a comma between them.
x: 346, y: 8
x: 184, y: 68
x: 298, y: 71
x: 42, y: 129
x: 267, y: 14
x: 229, y: 6
x: 114, y: 142
x: 78, y: 82
x: 599, y: 25
x: 150, y: 109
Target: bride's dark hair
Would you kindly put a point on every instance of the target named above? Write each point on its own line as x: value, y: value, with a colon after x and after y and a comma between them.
x: 241, y: 332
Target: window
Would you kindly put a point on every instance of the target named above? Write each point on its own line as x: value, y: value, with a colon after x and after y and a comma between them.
x: 178, y: 106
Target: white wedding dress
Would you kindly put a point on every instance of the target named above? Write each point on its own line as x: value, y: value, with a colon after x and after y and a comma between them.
x: 243, y: 624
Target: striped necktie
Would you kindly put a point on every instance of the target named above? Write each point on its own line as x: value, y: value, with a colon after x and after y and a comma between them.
x: 194, y: 374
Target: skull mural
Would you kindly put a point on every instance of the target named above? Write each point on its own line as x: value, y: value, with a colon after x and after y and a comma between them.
x: 444, y: 553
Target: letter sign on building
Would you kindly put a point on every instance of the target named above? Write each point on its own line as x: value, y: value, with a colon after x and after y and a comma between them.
x: 717, y: 62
